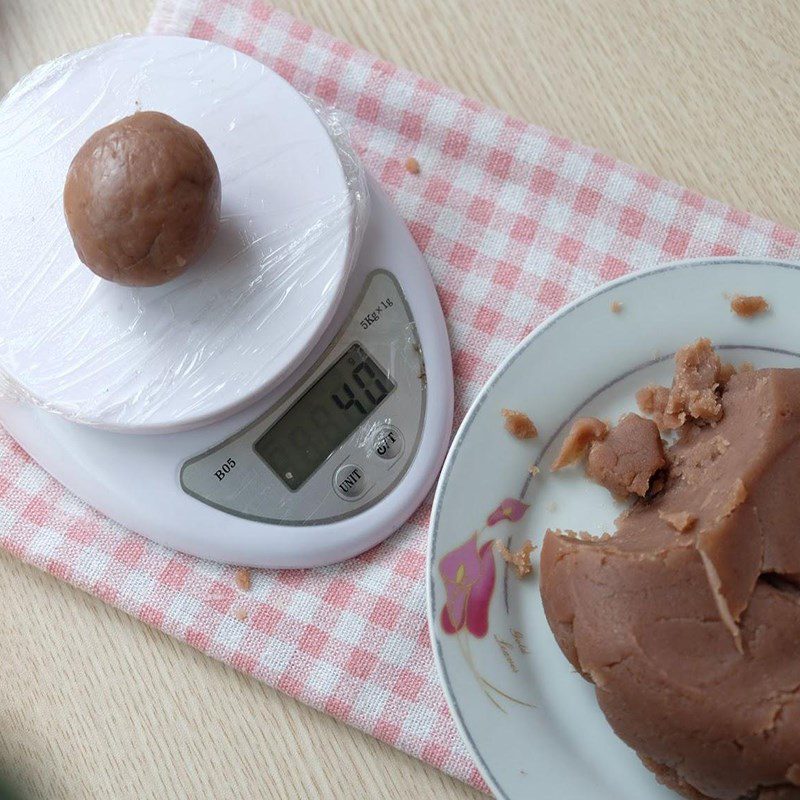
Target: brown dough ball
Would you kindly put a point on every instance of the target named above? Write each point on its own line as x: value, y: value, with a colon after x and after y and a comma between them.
x: 142, y: 199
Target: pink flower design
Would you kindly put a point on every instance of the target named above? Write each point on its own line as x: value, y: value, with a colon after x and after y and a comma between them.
x: 510, y: 509
x: 468, y: 575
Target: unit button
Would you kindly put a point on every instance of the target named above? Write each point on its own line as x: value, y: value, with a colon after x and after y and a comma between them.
x: 349, y: 482
x: 387, y: 442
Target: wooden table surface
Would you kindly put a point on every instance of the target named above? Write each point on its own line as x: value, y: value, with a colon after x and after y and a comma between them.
x: 94, y: 704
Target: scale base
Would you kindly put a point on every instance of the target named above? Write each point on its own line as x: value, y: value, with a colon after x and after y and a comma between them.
x: 135, y: 479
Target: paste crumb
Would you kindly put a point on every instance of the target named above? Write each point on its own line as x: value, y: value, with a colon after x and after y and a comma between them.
x: 519, y: 424
x: 412, y: 165
x: 748, y: 305
x: 726, y: 372
x: 616, y: 307
x: 653, y: 401
x: 681, y: 521
x: 240, y: 614
x: 697, y: 377
x: 628, y: 458
x: 242, y: 578
x: 737, y: 496
x: 582, y: 434
x: 695, y: 389
x: 533, y: 470
x: 520, y: 559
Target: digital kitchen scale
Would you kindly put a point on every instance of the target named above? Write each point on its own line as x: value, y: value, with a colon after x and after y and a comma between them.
x: 290, y: 410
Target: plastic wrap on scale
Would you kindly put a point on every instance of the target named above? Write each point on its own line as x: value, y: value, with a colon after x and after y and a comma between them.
x: 294, y: 210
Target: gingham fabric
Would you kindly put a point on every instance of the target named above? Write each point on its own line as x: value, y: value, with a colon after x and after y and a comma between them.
x: 514, y: 222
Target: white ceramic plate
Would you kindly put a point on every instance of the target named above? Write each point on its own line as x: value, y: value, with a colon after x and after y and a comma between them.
x: 532, y: 723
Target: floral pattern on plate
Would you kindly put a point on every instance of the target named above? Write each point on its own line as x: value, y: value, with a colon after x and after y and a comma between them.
x: 468, y: 573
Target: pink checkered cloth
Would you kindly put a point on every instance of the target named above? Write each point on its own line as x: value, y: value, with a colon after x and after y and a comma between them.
x: 514, y: 222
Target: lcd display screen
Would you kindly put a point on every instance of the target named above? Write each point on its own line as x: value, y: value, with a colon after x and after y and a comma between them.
x: 335, y: 405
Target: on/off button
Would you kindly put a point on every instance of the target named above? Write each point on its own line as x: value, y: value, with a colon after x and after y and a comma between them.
x: 349, y: 482
x: 387, y: 442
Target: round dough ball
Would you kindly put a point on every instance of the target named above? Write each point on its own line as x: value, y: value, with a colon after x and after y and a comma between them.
x: 142, y: 199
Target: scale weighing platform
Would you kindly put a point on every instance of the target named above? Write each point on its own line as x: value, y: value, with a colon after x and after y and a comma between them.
x: 285, y: 411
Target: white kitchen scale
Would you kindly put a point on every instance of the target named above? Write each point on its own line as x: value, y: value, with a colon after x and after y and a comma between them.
x: 288, y: 401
